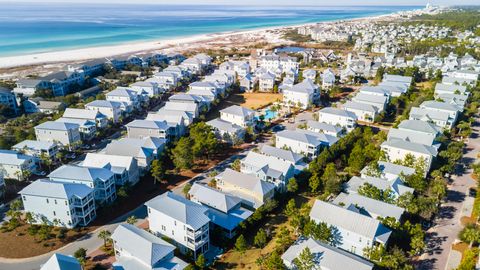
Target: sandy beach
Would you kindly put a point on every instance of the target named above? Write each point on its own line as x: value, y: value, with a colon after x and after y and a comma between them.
x: 14, y: 66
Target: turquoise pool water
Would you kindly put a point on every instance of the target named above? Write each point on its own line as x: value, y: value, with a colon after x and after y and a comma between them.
x: 269, y: 115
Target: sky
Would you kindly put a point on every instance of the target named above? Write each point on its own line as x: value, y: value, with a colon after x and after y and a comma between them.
x: 270, y: 2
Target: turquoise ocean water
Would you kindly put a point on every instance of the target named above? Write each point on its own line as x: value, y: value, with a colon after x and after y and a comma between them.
x: 34, y: 28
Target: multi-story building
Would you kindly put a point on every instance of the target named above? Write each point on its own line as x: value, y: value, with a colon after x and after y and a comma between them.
x: 58, y: 82
x: 59, y: 132
x: 353, y: 231
x: 7, y: 98
x: 304, y: 142
x: 14, y: 165
x: 183, y: 221
x: 302, y: 95
x: 124, y: 168
x: 100, y: 179
x: 238, y: 115
x: 37, y: 148
x: 337, y: 117
x: 111, y: 109
x: 59, y: 203
x: 137, y: 249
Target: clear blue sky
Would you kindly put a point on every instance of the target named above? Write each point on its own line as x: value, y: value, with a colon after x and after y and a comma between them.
x: 273, y: 2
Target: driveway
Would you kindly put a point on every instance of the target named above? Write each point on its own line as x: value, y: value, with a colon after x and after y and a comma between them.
x: 447, y: 224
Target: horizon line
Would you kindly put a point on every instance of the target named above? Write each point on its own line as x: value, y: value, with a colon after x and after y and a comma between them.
x: 211, y: 4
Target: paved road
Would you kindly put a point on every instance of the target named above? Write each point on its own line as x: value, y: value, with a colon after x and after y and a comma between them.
x: 91, y: 242
x: 447, y: 223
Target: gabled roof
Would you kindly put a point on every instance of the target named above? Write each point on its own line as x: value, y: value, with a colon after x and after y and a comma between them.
x: 203, y: 84
x: 411, y: 136
x: 180, y: 106
x: 392, y: 168
x: 54, y: 125
x: 79, y: 121
x: 327, y: 257
x: 419, y: 126
x: 75, y: 172
x: 323, y: 126
x: 411, y: 146
x: 349, y: 220
x: 142, y: 245
x: 124, y: 148
x: 306, y: 86
x: 82, y: 114
x: 428, y: 114
x: 186, y: 97
x: 359, y: 106
x: 368, y: 206
x: 56, y: 189
x: 339, y: 112
x: 104, y: 103
x: 61, y: 262
x: 214, y: 198
x: 397, y: 78
x: 431, y: 104
x: 368, y: 98
x: 247, y: 182
x: 180, y: 209
x: 281, y: 154
x: 223, y: 125
x: 271, y: 166
x: 238, y: 110
x: 450, y: 88
x: 122, y: 92
x: 160, y: 125
x: 34, y: 145
x: 9, y: 157
x: 308, y: 137
x: 102, y: 160
x: 396, y: 185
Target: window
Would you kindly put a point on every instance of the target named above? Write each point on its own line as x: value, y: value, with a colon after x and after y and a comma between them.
x: 24, y: 198
x: 47, y: 201
x: 54, y: 213
x: 173, y: 233
x: 55, y: 201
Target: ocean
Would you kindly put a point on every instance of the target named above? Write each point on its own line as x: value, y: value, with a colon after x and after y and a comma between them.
x: 27, y: 28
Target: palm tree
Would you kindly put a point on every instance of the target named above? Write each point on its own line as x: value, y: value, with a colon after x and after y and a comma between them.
x: 105, y: 236
x: 131, y: 220
x: 470, y: 234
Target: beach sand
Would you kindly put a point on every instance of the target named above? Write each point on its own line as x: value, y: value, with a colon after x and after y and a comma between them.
x: 17, y: 66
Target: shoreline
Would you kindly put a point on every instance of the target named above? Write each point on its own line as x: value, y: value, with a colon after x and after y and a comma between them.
x: 167, y: 45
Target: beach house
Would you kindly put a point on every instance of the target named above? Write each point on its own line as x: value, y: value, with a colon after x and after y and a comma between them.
x: 268, y: 168
x: 337, y: 117
x: 58, y: 203
x: 15, y: 165
x: 353, y: 231
x: 111, y: 109
x: 325, y: 256
x: 184, y: 222
x: 124, y: 168
x: 253, y: 191
x: 66, y: 134
x: 61, y: 262
x: 302, y: 95
x: 224, y: 210
x: 137, y: 249
x: 101, y: 180
x: 304, y: 142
